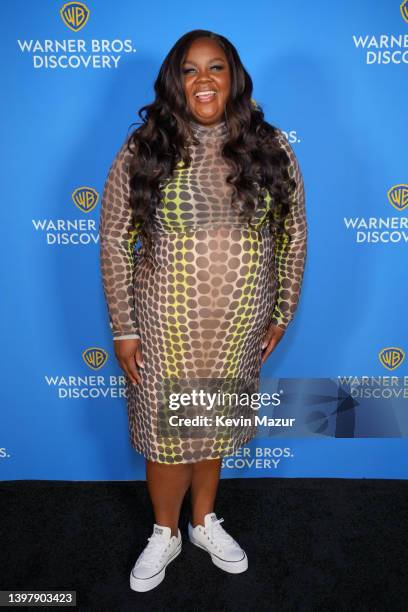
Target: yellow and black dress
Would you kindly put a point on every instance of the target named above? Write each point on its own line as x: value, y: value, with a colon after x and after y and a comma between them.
x: 202, y: 296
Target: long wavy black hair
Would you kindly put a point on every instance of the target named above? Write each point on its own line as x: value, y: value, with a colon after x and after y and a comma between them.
x: 251, y: 149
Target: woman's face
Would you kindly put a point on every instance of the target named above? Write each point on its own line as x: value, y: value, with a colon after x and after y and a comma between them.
x: 206, y: 69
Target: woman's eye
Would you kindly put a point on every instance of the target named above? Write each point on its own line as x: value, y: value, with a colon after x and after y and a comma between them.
x: 218, y: 66
x: 186, y: 70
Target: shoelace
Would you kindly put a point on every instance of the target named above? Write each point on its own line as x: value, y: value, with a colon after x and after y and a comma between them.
x: 150, y: 554
x: 222, y: 536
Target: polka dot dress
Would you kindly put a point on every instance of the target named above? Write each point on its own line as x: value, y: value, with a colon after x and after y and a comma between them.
x: 201, y: 298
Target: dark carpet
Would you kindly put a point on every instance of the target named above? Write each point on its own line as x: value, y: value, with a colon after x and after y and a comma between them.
x: 312, y: 544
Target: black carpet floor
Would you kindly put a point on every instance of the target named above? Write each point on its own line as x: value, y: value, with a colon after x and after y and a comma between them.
x: 312, y: 544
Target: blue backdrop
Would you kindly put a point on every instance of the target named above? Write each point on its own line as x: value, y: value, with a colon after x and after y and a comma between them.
x: 334, y: 78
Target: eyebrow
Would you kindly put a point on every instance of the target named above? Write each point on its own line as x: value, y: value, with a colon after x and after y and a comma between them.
x: 211, y: 60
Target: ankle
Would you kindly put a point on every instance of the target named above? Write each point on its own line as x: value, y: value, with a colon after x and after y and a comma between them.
x: 174, y: 528
x: 198, y: 518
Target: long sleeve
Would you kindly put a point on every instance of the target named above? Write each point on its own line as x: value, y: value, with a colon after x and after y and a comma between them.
x: 118, y: 236
x: 290, y: 257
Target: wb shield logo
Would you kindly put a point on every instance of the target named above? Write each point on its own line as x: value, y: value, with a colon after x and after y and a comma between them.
x: 404, y: 10
x: 391, y: 357
x: 398, y: 195
x: 95, y: 357
x: 74, y: 15
x: 85, y: 198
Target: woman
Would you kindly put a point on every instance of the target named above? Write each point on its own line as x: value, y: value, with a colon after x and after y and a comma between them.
x: 216, y: 195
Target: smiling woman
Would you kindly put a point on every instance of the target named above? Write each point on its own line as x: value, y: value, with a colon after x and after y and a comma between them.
x: 216, y: 195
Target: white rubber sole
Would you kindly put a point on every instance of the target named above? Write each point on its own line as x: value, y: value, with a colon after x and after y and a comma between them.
x: 146, y: 584
x: 233, y: 567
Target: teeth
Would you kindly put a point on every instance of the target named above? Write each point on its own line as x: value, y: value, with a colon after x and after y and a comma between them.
x: 205, y: 93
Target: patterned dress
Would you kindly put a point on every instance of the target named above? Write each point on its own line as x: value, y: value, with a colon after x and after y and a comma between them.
x: 201, y: 297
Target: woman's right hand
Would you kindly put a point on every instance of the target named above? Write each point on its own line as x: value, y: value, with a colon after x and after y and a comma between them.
x: 129, y: 355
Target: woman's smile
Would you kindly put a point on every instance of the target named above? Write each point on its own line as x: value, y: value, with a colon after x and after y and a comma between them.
x: 206, y: 96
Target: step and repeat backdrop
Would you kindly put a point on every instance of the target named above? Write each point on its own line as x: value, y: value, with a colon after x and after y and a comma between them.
x: 333, y: 77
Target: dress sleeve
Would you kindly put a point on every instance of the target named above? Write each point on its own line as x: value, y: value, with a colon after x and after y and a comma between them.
x: 290, y: 256
x: 117, y: 238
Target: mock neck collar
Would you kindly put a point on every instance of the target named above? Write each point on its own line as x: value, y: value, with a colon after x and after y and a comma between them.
x: 212, y: 131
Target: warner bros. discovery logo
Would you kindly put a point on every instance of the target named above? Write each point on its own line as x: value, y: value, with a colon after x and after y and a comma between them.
x: 73, y: 231
x: 391, y: 357
x: 95, y: 357
x: 398, y: 195
x: 75, y: 53
x: 86, y: 198
x: 383, y: 229
x: 75, y: 15
x: 95, y: 385
x: 389, y: 48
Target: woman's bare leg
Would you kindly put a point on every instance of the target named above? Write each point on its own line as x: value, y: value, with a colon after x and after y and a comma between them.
x: 167, y: 486
x: 204, y: 484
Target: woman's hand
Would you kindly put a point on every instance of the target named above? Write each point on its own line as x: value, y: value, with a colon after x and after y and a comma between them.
x: 272, y: 338
x: 129, y: 355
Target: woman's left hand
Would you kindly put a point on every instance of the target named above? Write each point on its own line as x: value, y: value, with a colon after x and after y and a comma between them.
x: 272, y: 338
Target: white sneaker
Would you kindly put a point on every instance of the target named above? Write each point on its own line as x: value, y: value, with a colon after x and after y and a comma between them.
x: 150, y: 567
x: 225, y: 552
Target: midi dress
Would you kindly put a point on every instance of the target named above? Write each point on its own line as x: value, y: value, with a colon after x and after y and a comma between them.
x: 200, y: 298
